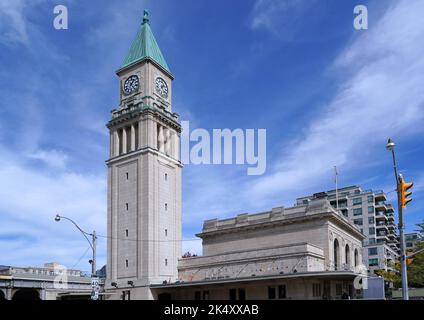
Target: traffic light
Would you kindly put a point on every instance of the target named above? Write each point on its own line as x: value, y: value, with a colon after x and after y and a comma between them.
x: 404, y: 194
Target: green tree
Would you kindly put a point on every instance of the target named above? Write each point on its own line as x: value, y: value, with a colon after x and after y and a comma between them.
x: 416, y: 269
x: 391, y: 275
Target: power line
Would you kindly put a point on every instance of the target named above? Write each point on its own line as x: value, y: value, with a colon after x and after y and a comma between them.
x: 79, y: 260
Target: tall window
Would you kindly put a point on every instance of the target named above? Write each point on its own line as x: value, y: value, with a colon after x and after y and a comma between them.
x: 336, y: 254
x: 282, y: 291
x: 271, y: 293
x: 356, y: 258
x: 370, y: 199
x: 233, y: 294
x: 316, y: 289
x: 370, y: 209
x: 347, y: 255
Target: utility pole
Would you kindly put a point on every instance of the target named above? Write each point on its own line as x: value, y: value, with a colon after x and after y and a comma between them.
x: 93, y: 264
x: 405, y: 294
x: 93, y: 243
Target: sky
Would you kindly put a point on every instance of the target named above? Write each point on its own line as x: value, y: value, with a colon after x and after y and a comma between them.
x: 327, y: 94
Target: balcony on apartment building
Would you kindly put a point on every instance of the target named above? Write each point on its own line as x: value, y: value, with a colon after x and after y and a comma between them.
x: 381, y: 225
x: 381, y: 216
x: 379, y: 195
x: 381, y: 206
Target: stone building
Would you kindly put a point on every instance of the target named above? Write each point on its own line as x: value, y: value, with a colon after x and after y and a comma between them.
x: 144, y: 174
x: 305, y: 252
x: 369, y: 210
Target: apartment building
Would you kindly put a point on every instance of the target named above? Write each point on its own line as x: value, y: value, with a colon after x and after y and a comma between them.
x: 412, y: 240
x: 369, y: 210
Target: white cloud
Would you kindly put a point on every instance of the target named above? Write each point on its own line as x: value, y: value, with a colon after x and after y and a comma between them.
x: 53, y: 158
x: 29, y: 200
x: 381, y: 95
x: 13, y: 25
x: 279, y: 17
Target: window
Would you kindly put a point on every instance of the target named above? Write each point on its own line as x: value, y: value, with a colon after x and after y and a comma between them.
x: 126, y: 263
x: 356, y: 257
x: 233, y: 294
x: 357, y: 211
x: 373, y: 262
x: 371, y: 231
x: 166, y: 206
x: 316, y: 289
x: 271, y: 293
x: 372, y: 251
x: 166, y: 232
x: 358, y: 222
x: 166, y: 177
x: 126, y: 233
x: 338, y: 289
x: 371, y: 220
x: 242, y: 294
x: 347, y: 255
x: 206, y: 295
x: 282, y: 291
x: 356, y: 201
x: 126, y: 295
x: 370, y: 199
x: 336, y: 254
x: 370, y: 209
x: 126, y: 206
x: 166, y: 262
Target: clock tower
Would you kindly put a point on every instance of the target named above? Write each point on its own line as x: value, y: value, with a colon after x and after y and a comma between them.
x: 144, y: 174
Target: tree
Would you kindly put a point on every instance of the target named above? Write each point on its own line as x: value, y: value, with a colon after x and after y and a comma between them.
x: 390, y: 275
x: 416, y: 269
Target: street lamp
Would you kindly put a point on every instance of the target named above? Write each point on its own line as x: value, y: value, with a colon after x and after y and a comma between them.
x: 390, y: 146
x: 92, y: 243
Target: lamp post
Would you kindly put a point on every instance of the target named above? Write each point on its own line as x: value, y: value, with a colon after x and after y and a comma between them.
x: 390, y: 146
x: 92, y: 245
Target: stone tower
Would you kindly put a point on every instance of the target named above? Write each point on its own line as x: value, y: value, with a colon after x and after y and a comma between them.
x: 144, y: 174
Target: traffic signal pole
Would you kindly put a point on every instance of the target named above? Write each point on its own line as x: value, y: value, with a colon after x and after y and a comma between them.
x: 403, y: 270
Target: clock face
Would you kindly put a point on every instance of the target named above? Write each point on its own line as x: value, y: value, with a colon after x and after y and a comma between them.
x: 161, y: 87
x: 131, y: 84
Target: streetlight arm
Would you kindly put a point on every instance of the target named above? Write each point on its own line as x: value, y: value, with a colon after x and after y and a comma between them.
x: 82, y: 231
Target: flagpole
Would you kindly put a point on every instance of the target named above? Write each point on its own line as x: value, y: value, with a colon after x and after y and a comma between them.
x: 337, y: 197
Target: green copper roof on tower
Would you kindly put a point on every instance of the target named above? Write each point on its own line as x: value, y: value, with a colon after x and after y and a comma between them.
x: 145, y: 46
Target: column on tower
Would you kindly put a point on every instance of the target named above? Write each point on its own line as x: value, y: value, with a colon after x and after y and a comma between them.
x: 116, y: 143
x: 167, y: 142
x: 124, y: 140
x: 176, y: 144
x: 161, y: 139
x: 132, y: 137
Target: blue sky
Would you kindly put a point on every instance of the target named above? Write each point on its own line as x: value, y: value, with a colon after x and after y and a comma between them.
x: 326, y: 93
